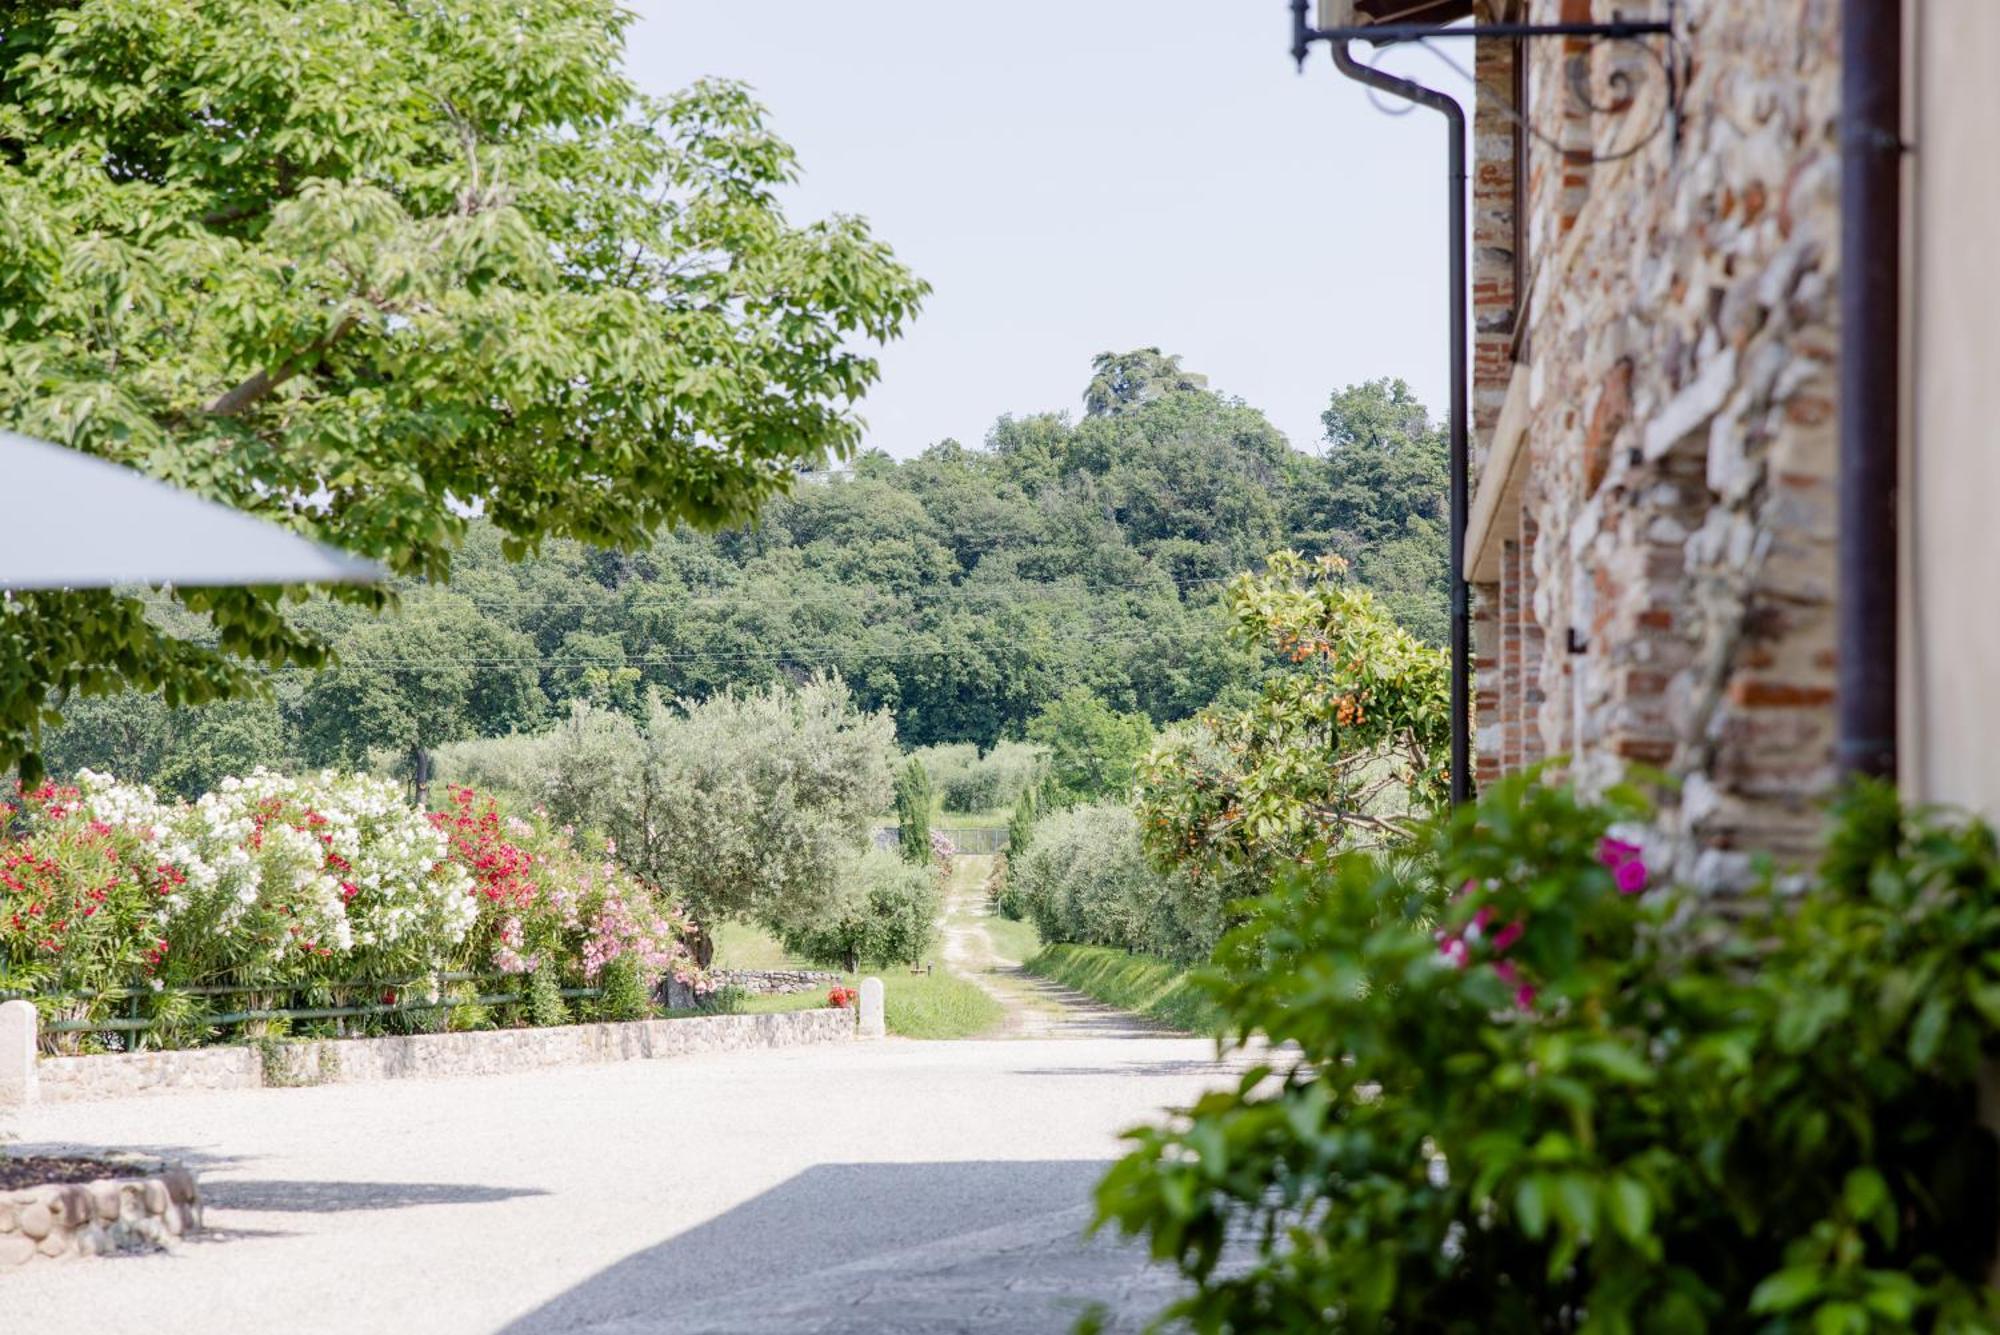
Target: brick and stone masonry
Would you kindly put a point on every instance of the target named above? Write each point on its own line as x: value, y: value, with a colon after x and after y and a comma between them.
x: 1667, y: 583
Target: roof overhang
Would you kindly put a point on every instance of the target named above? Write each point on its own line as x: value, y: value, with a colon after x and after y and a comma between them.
x: 1412, y: 11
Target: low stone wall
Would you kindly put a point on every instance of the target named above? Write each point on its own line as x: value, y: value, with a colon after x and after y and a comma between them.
x: 483, y: 1052
x: 776, y: 982
x: 181, y: 1071
x: 114, y: 1214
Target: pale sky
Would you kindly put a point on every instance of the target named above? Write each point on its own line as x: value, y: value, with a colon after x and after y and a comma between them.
x: 1074, y: 176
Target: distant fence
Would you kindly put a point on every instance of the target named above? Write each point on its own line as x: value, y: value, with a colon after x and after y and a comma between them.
x: 170, y: 1013
x: 964, y: 838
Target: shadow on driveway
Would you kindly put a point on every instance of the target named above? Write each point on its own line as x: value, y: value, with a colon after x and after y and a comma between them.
x: 988, y: 1246
x: 280, y: 1196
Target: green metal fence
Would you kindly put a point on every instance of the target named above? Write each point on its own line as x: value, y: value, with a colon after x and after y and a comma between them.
x: 307, y: 1001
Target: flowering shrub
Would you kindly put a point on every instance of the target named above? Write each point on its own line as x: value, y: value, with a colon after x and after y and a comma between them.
x: 842, y: 997
x: 315, y: 882
x: 1650, y: 1119
x: 542, y: 902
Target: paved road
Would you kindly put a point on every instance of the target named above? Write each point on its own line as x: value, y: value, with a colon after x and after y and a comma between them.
x: 884, y: 1187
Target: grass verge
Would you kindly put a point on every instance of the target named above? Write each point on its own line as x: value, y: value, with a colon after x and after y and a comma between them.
x: 936, y: 1005
x: 1154, y: 988
x: 1013, y: 940
x: 932, y: 1005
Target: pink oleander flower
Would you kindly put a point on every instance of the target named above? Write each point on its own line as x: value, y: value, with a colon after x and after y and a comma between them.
x: 1624, y: 860
x: 1452, y: 947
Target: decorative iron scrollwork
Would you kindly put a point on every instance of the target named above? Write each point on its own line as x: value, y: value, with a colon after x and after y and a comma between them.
x: 1602, y: 90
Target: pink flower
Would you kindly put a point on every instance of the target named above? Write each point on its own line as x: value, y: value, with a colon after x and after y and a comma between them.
x: 1524, y: 997
x: 1627, y: 868
x: 1507, y: 936
x: 1612, y: 852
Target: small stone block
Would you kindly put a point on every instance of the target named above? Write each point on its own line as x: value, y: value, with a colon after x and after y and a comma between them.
x: 872, y: 1023
x: 15, y: 1249
x: 18, y: 1026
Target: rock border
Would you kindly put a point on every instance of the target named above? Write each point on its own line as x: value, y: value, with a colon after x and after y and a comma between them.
x: 113, y: 1214
x: 290, y: 1063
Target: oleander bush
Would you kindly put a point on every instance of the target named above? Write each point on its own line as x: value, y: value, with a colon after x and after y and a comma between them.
x: 326, y: 884
x: 1526, y: 1090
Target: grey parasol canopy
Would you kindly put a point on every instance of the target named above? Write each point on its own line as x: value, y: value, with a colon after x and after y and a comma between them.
x: 72, y: 521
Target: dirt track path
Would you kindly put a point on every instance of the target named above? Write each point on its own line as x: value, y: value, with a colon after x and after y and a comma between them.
x: 1036, y: 1007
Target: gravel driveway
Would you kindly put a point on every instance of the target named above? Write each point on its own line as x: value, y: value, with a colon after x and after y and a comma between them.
x: 892, y: 1186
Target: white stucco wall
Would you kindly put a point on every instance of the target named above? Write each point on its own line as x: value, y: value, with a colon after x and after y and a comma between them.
x: 1951, y: 681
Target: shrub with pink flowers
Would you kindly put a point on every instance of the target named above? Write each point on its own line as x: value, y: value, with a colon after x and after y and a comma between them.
x: 1516, y: 1083
x: 327, y: 886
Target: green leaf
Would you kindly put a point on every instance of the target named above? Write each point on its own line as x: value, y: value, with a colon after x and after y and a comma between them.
x: 1786, y: 1289
x: 1630, y: 1207
x: 1531, y: 1205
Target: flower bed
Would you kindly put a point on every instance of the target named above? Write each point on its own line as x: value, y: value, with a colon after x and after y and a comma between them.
x: 168, y: 922
x: 54, y: 1209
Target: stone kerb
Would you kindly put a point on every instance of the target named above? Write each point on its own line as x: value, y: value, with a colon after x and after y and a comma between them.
x: 478, y: 1052
x: 113, y: 1214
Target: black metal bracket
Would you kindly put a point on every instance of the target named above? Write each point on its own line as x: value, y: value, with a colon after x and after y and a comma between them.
x: 1304, y: 34
x: 1667, y: 55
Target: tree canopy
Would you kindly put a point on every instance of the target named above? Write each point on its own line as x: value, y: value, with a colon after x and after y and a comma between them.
x: 364, y: 268
x: 1345, y: 740
x: 965, y: 590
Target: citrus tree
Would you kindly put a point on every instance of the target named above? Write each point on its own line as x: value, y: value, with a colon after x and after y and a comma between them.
x: 1347, y: 738
x: 366, y: 268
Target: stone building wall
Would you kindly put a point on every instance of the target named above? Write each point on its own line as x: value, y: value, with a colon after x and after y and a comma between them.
x: 1662, y: 595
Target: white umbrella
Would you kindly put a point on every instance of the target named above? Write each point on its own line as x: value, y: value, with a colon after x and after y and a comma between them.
x: 73, y: 521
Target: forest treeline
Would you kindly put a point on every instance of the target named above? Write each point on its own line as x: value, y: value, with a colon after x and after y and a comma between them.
x: 964, y: 590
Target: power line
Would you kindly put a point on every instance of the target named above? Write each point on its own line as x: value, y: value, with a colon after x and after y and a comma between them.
x: 614, y: 599
x: 834, y: 658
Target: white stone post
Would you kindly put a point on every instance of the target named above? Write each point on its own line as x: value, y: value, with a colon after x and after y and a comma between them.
x: 872, y: 1023
x: 18, y: 1024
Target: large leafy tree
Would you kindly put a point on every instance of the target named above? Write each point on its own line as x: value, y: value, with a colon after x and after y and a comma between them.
x: 1377, y: 500
x: 363, y: 266
x: 1093, y: 749
x: 1125, y: 380
x: 435, y: 674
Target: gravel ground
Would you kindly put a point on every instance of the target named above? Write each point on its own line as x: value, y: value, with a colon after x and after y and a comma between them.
x: 893, y: 1186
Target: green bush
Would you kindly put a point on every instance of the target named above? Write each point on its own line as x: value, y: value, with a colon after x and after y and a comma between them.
x: 913, y: 812
x: 1528, y: 1097
x: 886, y: 914
x: 728, y: 999
x: 1021, y: 826
x: 1087, y: 880
x: 545, y: 999
x: 967, y: 780
x: 1094, y: 750
x: 625, y: 994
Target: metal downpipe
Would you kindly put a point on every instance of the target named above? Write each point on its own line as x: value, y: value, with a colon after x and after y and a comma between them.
x: 1461, y: 458
x: 1871, y: 161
